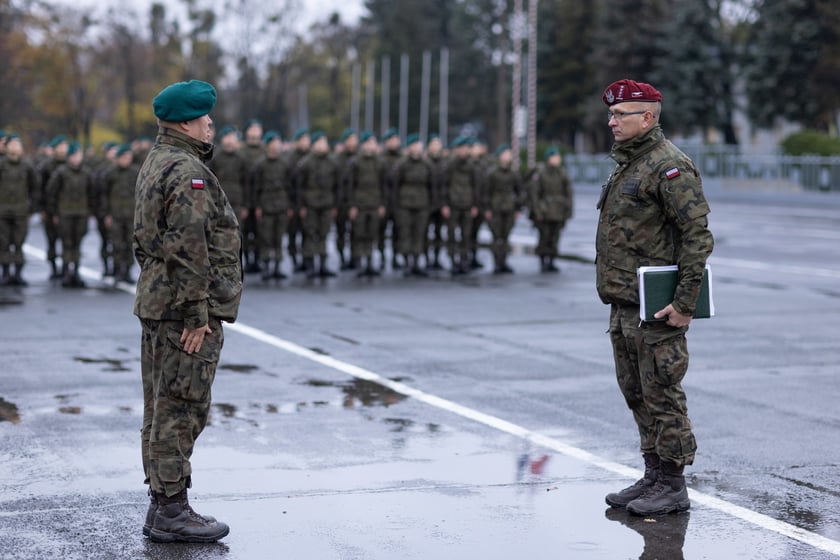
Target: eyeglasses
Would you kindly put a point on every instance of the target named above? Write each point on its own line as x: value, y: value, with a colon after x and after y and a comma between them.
x: 619, y: 115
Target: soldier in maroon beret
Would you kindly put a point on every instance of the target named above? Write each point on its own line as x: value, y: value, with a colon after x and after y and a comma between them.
x: 652, y: 212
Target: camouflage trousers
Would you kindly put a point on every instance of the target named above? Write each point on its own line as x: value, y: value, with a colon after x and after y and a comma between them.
x: 651, y: 360
x: 413, y: 224
x: 549, y: 238
x: 501, y: 224
x: 13, y: 230
x: 460, y: 221
x: 176, y: 400
x: 365, y: 232
x: 316, y: 228
x: 72, y: 230
x: 122, y: 236
x: 272, y: 228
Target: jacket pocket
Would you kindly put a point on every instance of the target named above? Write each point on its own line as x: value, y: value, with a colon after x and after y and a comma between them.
x: 189, y: 377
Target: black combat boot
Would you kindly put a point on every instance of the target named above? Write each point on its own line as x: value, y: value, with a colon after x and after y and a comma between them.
x: 278, y: 274
x: 174, y: 520
x: 150, y: 513
x: 325, y: 272
x: 17, y: 278
x: 55, y: 274
x: 309, y: 267
x: 669, y: 494
x: 550, y: 266
x: 624, y: 497
x: 6, y: 279
x: 266, y: 271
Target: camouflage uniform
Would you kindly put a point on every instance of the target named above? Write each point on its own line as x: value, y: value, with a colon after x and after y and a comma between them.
x: 342, y: 220
x: 231, y: 170
x: 413, y: 195
x: 252, y: 154
x: 47, y: 168
x: 652, y: 212
x: 502, y: 195
x: 18, y: 190
x: 551, y: 205
x: 390, y: 159
x: 273, y: 196
x: 295, y: 229
x: 71, y: 197
x: 317, y: 184
x: 118, y: 202
x: 461, y: 195
x: 436, y: 221
x: 188, y: 245
x: 367, y: 193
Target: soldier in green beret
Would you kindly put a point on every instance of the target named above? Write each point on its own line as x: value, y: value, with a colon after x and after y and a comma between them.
x: 301, y: 145
x: 367, y: 198
x: 273, y: 191
x: 118, y: 202
x: 414, y: 193
x: 390, y: 156
x: 317, y: 184
x: 187, y: 243
x: 461, y: 198
x: 483, y: 164
x: 551, y: 206
x: 434, y: 242
x: 502, y: 200
x: 18, y: 191
x: 652, y: 212
x: 71, y: 200
x: 252, y: 150
x: 100, y: 166
x: 58, y: 156
x: 231, y: 169
x: 349, y: 145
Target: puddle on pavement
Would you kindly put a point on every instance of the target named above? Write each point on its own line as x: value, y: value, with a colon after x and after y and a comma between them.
x: 228, y: 412
x: 114, y: 364
x: 70, y: 409
x: 399, y: 425
x: 664, y: 536
x: 239, y: 368
x: 9, y: 412
x: 361, y: 392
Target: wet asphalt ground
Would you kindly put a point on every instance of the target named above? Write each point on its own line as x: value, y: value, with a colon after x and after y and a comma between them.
x: 440, y: 418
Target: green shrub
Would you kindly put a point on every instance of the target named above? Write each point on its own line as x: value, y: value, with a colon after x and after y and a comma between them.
x: 811, y: 142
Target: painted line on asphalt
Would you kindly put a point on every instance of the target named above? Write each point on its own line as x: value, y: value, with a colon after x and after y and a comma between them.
x: 758, y: 519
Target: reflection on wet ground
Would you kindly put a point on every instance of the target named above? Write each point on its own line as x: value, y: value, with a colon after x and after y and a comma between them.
x: 664, y: 536
x: 115, y: 365
x: 70, y: 409
x: 239, y: 368
x: 366, y: 393
x: 8, y: 412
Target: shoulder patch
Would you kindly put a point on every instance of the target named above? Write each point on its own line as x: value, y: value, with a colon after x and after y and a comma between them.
x: 672, y: 173
x: 197, y: 183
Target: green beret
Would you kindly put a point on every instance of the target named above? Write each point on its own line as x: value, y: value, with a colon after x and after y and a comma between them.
x: 72, y: 148
x: 122, y: 149
x: 300, y: 133
x: 2, y: 133
x: 270, y: 136
x: 472, y: 141
x: 348, y: 132
x: 501, y: 149
x: 250, y: 123
x: 107, y: 145
x: 184, y: 101
x: 366, y: 135
x: 460, y: 141
x: 551, y: 151
x: 9, y: 136
x: 57, y: 140
x: 317, y: 135
x: 390, y: 133
x: 225, y: 130
x: 433, y: 136
x: 411, y: 139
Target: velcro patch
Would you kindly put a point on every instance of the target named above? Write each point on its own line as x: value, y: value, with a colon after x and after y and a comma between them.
x: 672, y: 173
x: 197, y: 183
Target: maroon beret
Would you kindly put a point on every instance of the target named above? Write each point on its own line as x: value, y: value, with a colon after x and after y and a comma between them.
x: 629, y: 90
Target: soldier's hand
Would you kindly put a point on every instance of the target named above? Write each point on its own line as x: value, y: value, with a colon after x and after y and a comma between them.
x: 353, y: 213
x: 333, y: 212
x: 109, y: 221
x: 473, y: 211
x: 258, y: 213
x: 488, y: 215
x: 243, y: 213
x: 381, y: 211
x: 290, y: 213
x: 444, y: 211
x: 55, y: 220
x: 675, y: 319
x: 302, y: 213
x: 193, y: 338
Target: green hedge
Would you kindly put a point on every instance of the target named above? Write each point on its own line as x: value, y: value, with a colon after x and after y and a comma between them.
x: 811, y: 142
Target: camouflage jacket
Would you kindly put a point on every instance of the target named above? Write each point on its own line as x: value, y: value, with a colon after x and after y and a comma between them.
x: 18, y: 187
x: 232, y: 171
x: 366, y: 182
x: 343, y: 159
x: 71, y: 193
x: 273, y: 185
x: 460, y: 184
x: 414, y: 184
x: 551, y: 194
x: 653, y: 212
x: 118, y: 191
x: 46, y: 169
x: 502, y: 190
x: 317, y: 182
x: 186, y: 236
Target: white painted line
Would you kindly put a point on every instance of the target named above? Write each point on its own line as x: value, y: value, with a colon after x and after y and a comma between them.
x: 758, y: 519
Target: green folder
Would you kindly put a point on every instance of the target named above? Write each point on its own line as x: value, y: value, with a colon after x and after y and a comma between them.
x: 657, y: 285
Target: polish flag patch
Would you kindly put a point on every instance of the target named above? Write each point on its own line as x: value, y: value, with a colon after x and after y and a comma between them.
x: 198, y: 183
x: 672, y: 173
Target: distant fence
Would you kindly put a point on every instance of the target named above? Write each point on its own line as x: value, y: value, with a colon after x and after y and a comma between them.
x: 733, y: 169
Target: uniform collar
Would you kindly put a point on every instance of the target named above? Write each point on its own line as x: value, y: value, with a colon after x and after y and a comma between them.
x: 638, y: 146
x: 171, y: 137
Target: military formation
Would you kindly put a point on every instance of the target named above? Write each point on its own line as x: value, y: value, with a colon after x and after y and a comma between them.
x: 377, y: 203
